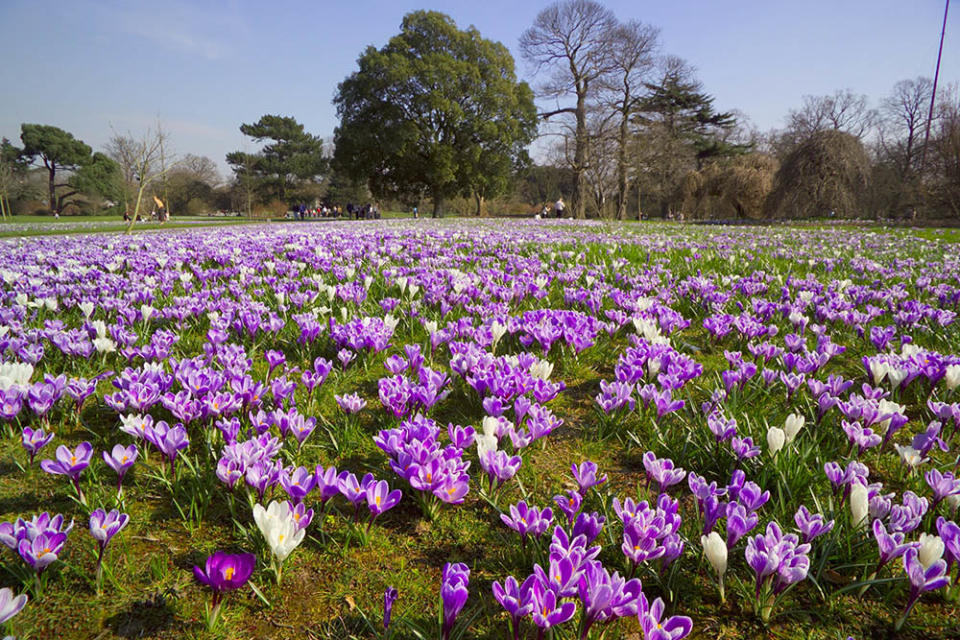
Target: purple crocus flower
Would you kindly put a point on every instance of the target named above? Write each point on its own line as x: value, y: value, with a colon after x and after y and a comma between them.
x: 569, y: 505
x: 389, y: 597
x: 380, y: 499
x: 42, y: 550
x: 274, y: 359
x: 224, y: 572
x: 327, y: 484
x: 586, y: 476
x: 351, y: 403
x: 499, y: 466
x: 453, y: 594
x: 33, y: 440
x: 811, y: 525
x: 943, y: 485
x: 950, y: 534
x: 10, y: 605
x: 922, y: 579
x: 302, y: 516
x: 588, y: 525
x: 526, y: 519
x: 120, y: 459
x: 721, y: 428
x: 739, y: 522
x: 890, y: 545
x: 744, y: 448
x: 547, y: 610
x: 662, y: 471
x: 103, y: 526
x: 297, y: 483
x: 70, y: 463
x: 515, y: 600
x: 654, y: 626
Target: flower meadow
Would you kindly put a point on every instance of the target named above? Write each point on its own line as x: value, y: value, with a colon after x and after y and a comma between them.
x: 459, y: 429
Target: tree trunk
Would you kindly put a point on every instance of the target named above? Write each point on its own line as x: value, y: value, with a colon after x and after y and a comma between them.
x: 580, y: 154
x: 622, y: 166
x: 437, y: 206
x: 478, y: 198
x: 53, y: 189
x: 639, y: 207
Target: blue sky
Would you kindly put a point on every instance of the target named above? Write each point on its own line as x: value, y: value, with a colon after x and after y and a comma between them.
x: 203, y: 67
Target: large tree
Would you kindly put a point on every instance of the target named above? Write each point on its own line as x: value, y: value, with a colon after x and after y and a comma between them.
x: 292, y: 156
x: 634, y: 44
x: 57, y: 151
x: 437, y: 110
x: 572, y: 40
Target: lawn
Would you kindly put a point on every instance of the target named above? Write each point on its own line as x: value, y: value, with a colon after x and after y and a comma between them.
x: 719, y: 379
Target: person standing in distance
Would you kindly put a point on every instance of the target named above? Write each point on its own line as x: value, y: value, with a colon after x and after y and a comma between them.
x: 559, y: 207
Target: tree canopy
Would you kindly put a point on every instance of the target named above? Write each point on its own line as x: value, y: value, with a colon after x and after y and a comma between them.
x: 57, y: 150
x: 437, y: 111
x: 292, y: 157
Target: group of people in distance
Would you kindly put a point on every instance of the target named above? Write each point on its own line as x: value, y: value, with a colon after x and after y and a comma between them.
x: 359, y: 212
x: 558, y: 209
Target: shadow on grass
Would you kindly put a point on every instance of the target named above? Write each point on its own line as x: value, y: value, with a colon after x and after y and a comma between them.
x: 143, y: 618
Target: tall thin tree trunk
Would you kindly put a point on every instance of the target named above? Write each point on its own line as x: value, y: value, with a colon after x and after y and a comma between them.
x: 53, y: 190
x: 622, y: 165
x: 580, y: 155
x: 478, y: 198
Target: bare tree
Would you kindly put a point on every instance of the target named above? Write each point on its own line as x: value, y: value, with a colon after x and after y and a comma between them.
x: 632, y: 60
x: 843, y: 111
x: 571, y: 40
x: 143, y: 161
x: 903, y: 119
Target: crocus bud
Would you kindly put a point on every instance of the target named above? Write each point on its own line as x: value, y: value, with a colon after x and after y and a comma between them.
x: 775, y: 439
x: 792, y: 426
x: 931, y: 550
x: 715, y: 549
x: 951, y: 378
x: 859, y: 504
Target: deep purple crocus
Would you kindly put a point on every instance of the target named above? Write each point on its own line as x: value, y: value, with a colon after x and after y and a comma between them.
x: 224, y: 572
x: 453, y: 594
x: 389, y: 597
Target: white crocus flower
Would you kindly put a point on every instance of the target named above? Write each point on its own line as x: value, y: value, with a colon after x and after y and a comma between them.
x: 792, y: 426
x: 542, y: 369
x: 931, y: 550
x: 430, y: 326
x: 775, y: 440
x: 391, y: 322
x: 909, y: 456
x: 104, y: 345
x: 859, y: 505
x: 15, y: 374
x: 715, y: 548
x: 279, y: 528
x: 497, y: 330
x: 951, y: 379
x: 147, y: 312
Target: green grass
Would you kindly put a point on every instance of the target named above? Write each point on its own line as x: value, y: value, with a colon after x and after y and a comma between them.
x: 332, y: 581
